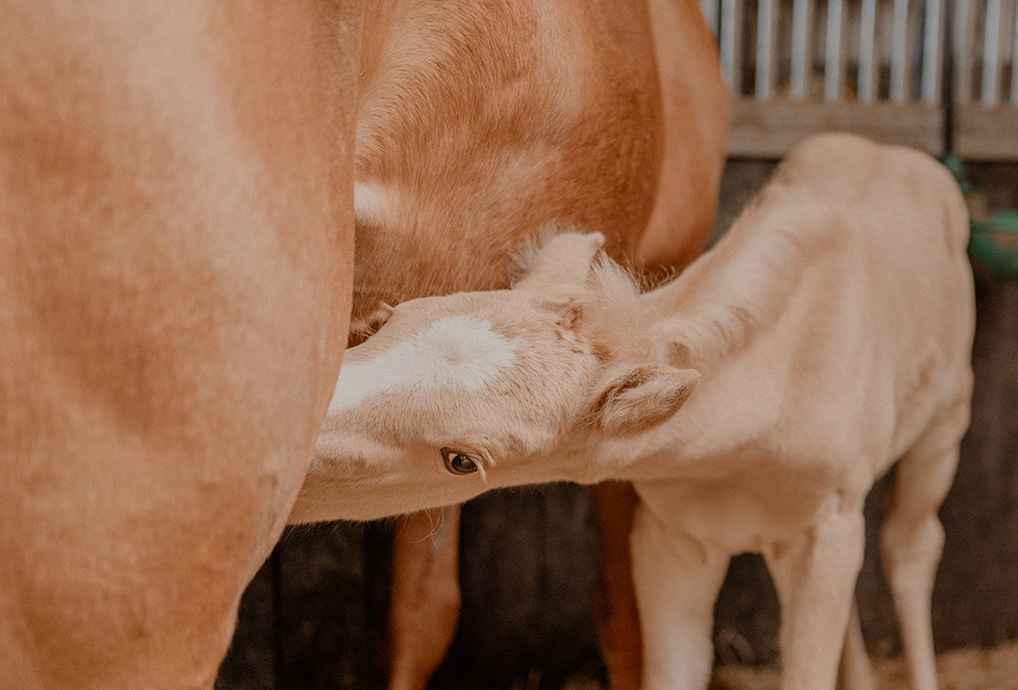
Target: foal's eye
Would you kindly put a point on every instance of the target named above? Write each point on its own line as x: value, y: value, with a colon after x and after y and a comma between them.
x: 461, y: 463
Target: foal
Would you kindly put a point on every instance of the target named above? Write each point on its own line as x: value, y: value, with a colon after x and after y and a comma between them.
x: 753, y: 401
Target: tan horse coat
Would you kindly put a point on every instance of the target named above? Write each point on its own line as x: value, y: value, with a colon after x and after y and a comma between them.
x: 753, y: 401
x: 178, y: 188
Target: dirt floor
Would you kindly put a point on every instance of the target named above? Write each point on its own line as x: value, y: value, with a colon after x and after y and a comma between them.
x: 964, y: 669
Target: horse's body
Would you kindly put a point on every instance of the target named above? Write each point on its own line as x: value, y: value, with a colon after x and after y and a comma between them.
x: 479, y: 125
x: 753, y: 401
x: 178, y: 191
x: 175, y: 277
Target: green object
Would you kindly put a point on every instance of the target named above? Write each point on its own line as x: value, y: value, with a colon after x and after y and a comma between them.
x: 993, y: 243
x: 993, y: 238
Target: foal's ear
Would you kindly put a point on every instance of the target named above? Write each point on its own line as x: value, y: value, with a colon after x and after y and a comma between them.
x: 642, y: 397
x: 565, y: 260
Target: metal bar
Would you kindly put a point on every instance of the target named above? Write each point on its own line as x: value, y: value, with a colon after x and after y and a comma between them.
x: 832, y: 58
x: 1014, y: 59
x: 867, y: 51
x: 801, y: 66
x: 731, y: 35
x: 929, y: 87
x: 964, y: 46
x: 990, y: 90
x: 899, y: 51
x: 766, y: 48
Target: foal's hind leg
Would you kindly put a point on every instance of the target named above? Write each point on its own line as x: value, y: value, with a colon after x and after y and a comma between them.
x: 912, y: 537
x: 855, y: 672
x: 677, y: 579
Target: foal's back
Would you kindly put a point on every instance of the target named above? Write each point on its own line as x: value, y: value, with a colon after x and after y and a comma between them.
x: 900, y: 278
x: 840, y: 301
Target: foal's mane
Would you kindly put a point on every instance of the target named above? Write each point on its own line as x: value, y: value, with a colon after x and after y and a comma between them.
x: 712, y: 308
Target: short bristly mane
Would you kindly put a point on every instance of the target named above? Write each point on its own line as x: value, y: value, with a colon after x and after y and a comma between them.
x: 709, y: 309
x: 611, y: 317
x: 712, y: 307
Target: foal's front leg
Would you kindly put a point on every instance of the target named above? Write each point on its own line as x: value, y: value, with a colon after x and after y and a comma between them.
x: 815, y: 577
x: 677, y: 580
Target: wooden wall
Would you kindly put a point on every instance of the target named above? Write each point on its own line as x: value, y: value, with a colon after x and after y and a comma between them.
x: 312, y: 618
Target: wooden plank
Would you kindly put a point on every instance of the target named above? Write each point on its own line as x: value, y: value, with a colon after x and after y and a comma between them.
x: 769, y: 130
x: 989, y: 134
x: 251, y: 662
x: 332, y: 580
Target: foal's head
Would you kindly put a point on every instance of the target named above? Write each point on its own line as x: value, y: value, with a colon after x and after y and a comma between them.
x: 459, y: 394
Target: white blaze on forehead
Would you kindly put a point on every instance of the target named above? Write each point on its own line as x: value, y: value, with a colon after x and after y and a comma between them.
x: 454, y: 352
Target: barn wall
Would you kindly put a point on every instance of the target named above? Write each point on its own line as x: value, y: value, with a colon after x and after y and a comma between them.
x: 312, y: 617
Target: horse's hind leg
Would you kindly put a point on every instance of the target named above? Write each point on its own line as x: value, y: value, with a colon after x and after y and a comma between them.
x: 425, y: 602
x: 912, y: 537
x: 618, y: 624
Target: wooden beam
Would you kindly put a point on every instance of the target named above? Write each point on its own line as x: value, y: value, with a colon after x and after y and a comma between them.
x: 769, y: 129
x: 986, y: 134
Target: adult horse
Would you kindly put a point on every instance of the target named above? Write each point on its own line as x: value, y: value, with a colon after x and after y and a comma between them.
x: 177, y: 203
x: 481, y: 125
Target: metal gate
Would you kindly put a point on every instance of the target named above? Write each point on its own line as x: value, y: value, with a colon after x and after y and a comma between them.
x: 939, y: 75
